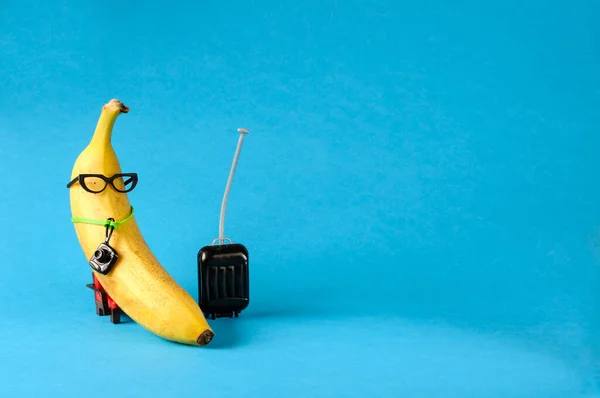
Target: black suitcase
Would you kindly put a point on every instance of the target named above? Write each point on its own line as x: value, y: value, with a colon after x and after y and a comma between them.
x: 223, y: 277
x: 224, y: 280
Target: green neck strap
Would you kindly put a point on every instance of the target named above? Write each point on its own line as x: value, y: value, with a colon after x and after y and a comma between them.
x: 105, y: 223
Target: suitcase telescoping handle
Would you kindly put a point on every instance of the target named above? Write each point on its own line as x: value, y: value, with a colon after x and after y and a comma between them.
x: 236, y: 156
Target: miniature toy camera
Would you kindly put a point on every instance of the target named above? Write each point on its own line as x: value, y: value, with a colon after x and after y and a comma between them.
x: 103, y: 258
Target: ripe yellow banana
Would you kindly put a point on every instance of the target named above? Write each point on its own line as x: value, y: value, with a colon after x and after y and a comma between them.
x: 137, y: 283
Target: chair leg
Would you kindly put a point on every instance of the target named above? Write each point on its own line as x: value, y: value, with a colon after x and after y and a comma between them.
x: 115, y: 316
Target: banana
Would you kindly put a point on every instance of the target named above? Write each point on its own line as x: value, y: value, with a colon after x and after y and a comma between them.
x: 138, y: 283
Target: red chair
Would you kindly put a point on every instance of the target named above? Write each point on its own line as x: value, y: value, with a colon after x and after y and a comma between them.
x: 104, y: 303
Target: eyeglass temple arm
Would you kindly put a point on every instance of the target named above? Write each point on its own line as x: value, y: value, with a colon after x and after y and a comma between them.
x: 73, y: 181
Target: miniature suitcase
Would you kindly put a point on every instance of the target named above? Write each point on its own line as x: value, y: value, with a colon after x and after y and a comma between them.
x: 223, y: 276
x: 224, y: 280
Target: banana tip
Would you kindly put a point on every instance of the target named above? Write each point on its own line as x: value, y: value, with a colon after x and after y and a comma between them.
x: 116, y: 105
x: 205, y: 338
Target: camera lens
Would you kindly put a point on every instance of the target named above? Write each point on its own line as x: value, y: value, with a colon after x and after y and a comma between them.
x: 102, y: 255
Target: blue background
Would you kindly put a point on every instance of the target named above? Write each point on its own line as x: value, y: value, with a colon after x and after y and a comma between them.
x: 418, y: 194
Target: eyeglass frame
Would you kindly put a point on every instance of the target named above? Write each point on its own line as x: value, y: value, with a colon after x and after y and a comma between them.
x: 108, y: 181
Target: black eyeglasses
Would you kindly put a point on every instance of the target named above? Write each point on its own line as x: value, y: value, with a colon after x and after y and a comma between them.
x: 96, y: 183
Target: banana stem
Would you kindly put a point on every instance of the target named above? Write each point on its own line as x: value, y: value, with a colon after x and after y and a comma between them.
x: 229, y: 181
x: 110, y: 112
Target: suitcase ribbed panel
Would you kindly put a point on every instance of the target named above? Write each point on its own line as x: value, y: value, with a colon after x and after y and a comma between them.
x: 241, y: 285
x: 226, y: 282
x: 231, y: 282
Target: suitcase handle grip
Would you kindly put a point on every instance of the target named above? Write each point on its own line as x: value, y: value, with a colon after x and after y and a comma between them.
x: 221, y: 240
